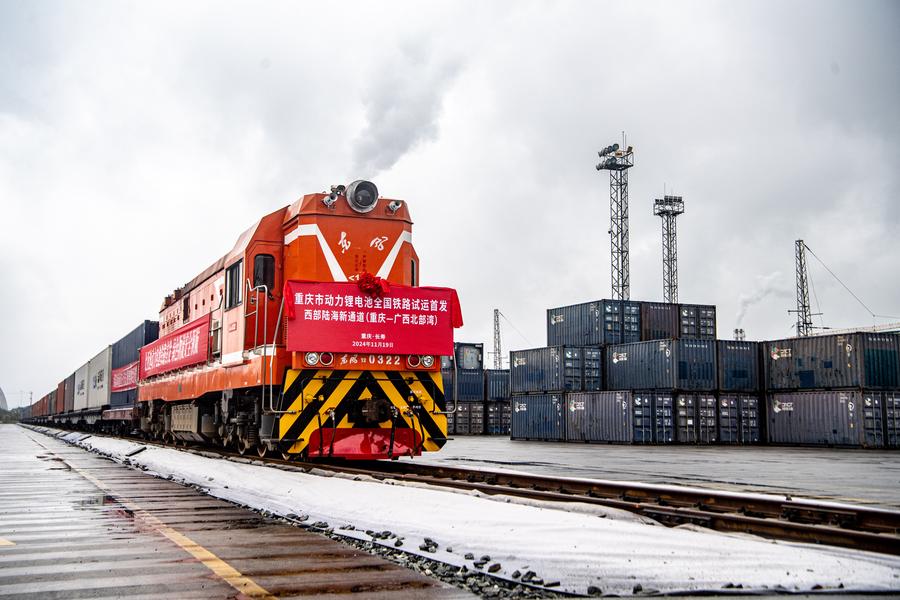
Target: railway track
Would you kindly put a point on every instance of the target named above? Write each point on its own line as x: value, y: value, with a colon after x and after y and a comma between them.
x: 769, y: 516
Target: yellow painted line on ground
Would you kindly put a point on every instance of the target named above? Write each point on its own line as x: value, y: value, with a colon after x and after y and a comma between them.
x: 229, y: 574
x: 4, y: 542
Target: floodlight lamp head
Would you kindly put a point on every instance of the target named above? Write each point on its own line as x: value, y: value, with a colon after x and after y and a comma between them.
x: 614, y: 147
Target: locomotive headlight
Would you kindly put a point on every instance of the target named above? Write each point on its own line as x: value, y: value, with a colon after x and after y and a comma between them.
x: 362, y: 195
x: 413, y: 361
x: 312, y: 358
x: 326, y: 358
x: 427, y: 361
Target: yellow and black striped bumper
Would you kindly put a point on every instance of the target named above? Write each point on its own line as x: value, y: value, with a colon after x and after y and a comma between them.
x: 317, y: 400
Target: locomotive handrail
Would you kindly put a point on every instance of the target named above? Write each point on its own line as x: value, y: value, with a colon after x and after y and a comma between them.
x: 271, y: 409
x: 455, y: 394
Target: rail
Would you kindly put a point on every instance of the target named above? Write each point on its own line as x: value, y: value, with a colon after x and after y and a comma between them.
x: 770, y: 516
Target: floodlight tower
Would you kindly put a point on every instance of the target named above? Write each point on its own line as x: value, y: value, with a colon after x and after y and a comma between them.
x: 668, y: 208
x: 617, y: 162
x: 498, y: 359
x: 804, y: 312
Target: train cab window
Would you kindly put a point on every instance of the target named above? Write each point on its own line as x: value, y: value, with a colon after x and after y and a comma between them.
x: 233, y: 286
x: 264, y: 271
x: 414, y: 274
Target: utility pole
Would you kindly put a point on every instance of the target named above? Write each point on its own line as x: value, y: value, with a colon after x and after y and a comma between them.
x: 617, y: 161
x: 498, y: 357
x: 804, y: 312
x: 668, y: 208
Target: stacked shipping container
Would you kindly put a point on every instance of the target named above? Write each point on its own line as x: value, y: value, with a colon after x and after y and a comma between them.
x: 832, y: 389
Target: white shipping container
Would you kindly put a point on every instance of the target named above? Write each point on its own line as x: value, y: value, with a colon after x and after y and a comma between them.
x: 99, y: 368
x: 81, y: 387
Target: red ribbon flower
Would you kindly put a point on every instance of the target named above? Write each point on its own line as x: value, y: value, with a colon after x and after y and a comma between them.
x: 372, y: 286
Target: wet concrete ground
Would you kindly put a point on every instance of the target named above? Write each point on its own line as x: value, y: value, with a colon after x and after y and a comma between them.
x: 75, y: 525
x: 870, y: 477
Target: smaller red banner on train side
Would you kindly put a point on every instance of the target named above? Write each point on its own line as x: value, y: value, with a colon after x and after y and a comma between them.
x: 181, y: 348
x: 340, y: 317
x: 125, y: 378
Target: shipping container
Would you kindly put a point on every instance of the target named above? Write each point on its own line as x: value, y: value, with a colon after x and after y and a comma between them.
x: 496, y: 417
x: 662, y: 364
x: 642, y: 417
x: 125, y: 352
x: 695, y: 419
x: 891, y: 401
x: 593, y: 369
x: 51, y: 402
x: 70, y: 393
x: 855, y: 360
x: 98, y: 379
x: 659, y: 321
x: 738, y: 366
x: 738, y: 419
x: 594, y: 323
x: 60, y: 407
x: 469, y: 356
x: 553, y: 369
x: 469, y: 383
x: 451, y: 420
x: 538, y: 417
x: 496, y: 384
x: 461, y: 421
x: 653, y: 417
x: 476, y: 418
x: 664, y: 421
x: 81, y: 388
x: 826, y: 418
x: 697, y: 321
x: 599, y: 417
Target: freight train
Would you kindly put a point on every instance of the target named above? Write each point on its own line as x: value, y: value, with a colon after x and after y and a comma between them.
x: 311, y: 337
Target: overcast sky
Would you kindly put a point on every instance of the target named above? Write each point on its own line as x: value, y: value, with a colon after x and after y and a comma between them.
x: 137, y: 140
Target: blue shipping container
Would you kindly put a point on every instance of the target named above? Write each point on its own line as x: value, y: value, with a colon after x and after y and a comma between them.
x: 496, y: 384
x: 128, y: 350
x: 594, y: 323
x: 855, y: 360
x: 738, y: 366
x: 653, y: 417
x: 664, y: 364
x: 538, y: 417
x: 545, y: 370
x: 470, y: 385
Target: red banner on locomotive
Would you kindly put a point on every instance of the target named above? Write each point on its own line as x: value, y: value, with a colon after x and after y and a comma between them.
x: 340, y: 317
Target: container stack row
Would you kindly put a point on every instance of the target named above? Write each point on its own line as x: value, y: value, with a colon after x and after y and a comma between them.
x: 477, y: 399
x: 664, y: 378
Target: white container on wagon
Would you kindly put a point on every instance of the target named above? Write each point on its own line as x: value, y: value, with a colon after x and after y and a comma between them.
x: 99, y: 368
x: 81, y: 388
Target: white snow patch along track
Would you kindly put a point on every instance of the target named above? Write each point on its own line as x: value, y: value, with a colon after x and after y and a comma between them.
x: 577, y: 546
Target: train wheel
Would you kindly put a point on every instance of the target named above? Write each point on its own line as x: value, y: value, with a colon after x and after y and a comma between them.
x: 242, y: 447
x: 262, y: 450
